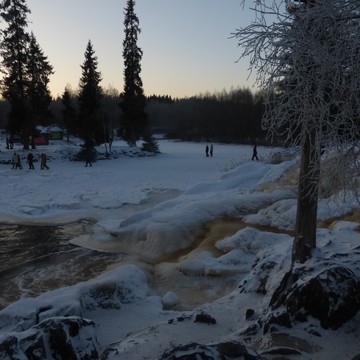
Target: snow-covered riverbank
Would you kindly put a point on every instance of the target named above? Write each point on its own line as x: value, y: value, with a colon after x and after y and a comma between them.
x: 190, y: 190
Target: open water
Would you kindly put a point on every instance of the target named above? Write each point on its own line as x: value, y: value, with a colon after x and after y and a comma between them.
x: 34, y: 259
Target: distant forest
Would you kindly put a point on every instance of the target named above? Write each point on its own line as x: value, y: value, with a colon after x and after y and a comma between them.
x: 232, y: 116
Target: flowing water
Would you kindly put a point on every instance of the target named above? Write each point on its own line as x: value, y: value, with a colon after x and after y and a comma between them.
x: 39, y: 258
x: 34, y: 259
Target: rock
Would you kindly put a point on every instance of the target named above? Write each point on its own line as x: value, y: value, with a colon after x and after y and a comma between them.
x: 331, y: 296
x: 249, y: 314
x: 282, y: 319
x: 226, y: 350
x: 200, y: 317
x: 282, y: 351
x: 205, y: 318
x: 55, y: 338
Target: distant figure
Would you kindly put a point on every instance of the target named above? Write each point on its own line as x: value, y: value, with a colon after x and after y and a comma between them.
x: 207, y: 150
x: 7, y: 143
x: 13, y: 160
x: 16, y: 162
x: 88, y: 156
x: 254, y: 153
x: 30, y: 160
x: 211, y: 150
x: 43, y: 160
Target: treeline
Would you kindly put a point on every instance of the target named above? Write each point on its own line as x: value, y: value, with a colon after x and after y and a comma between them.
x: 96, y: 114
x: 229, y: 116
x: 232, y: 116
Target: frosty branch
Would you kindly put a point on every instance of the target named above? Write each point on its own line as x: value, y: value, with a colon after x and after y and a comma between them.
x: 307, y: 58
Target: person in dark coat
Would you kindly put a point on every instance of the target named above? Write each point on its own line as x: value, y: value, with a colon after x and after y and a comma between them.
x: 254, y: 153
x: 211, y: 150
x: 30, y: 160
x: 88, y: 157
x: 207, y: 150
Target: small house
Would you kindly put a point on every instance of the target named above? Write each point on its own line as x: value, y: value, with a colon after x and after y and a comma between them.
x: 51, y: 132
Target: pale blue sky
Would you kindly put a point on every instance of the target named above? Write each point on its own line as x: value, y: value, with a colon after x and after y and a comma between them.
x: 186, y: 45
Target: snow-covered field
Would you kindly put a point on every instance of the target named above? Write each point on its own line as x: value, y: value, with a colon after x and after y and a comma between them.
x: 155, y: 208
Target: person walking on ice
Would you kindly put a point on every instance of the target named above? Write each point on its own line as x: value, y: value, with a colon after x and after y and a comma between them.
x: 16, y: 161
x: 207, y: 151
x: 30, y: 160
x: 43, y: 161
x: 211, y: 150
x: 88, y: 156
x: 254, y: 153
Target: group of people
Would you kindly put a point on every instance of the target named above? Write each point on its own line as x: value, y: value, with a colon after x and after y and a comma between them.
x: 209, y: 150
x: 9, y: 144
x: 16, y: 161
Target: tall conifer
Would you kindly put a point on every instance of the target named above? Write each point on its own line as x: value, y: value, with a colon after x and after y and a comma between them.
x: 69, y: 113
x: 89, y: 99
x: 14, y: 45
x: 38, y: 92
x: 134, y: 117
x: 26, y: 72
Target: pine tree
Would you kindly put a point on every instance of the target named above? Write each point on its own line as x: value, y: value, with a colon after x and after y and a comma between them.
x: 134, y: 119
x: 14, y: 52
x: 38, y: 93
x: 150, y: 144
x: 26, y: 73
x: 68, y: 113
x: 89, y: 99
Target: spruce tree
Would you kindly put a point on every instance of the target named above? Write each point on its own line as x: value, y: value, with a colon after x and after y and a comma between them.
x: 68, y: 113
x: 38, y: 93
x: 134, y: 117
x: 14, y: 52
x: 26, y: 73
x: 89, y: 99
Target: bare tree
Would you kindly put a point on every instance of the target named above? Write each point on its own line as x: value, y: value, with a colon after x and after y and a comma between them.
x: 307, y: 57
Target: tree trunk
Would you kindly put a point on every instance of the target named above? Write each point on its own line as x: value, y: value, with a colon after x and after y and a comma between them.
x: 306, y: 216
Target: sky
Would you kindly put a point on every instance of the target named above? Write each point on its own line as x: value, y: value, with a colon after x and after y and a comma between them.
x: 187, y: 45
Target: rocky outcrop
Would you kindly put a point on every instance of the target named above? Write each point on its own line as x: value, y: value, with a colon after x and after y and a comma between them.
x: 226, y: 350
x: 63, y: 338
x: 332, y: 296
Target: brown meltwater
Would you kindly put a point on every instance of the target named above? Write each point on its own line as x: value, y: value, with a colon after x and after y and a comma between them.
x: 199, y: 289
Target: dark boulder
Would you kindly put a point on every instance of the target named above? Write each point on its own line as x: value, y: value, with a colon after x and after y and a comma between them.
x: 226, y: 350
x: 65, y: 338
x: 332, y: 296
x: 204, y: 318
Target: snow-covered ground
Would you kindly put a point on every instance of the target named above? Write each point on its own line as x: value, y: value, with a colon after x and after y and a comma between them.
x: 155, y: 208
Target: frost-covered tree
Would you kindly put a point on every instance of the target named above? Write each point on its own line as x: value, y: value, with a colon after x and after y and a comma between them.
x: 307, y: 57
x: 134, y: 117
x: 89, y: 99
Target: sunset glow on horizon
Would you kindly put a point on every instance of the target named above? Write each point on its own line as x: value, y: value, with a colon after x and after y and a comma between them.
x: 187, y: 45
